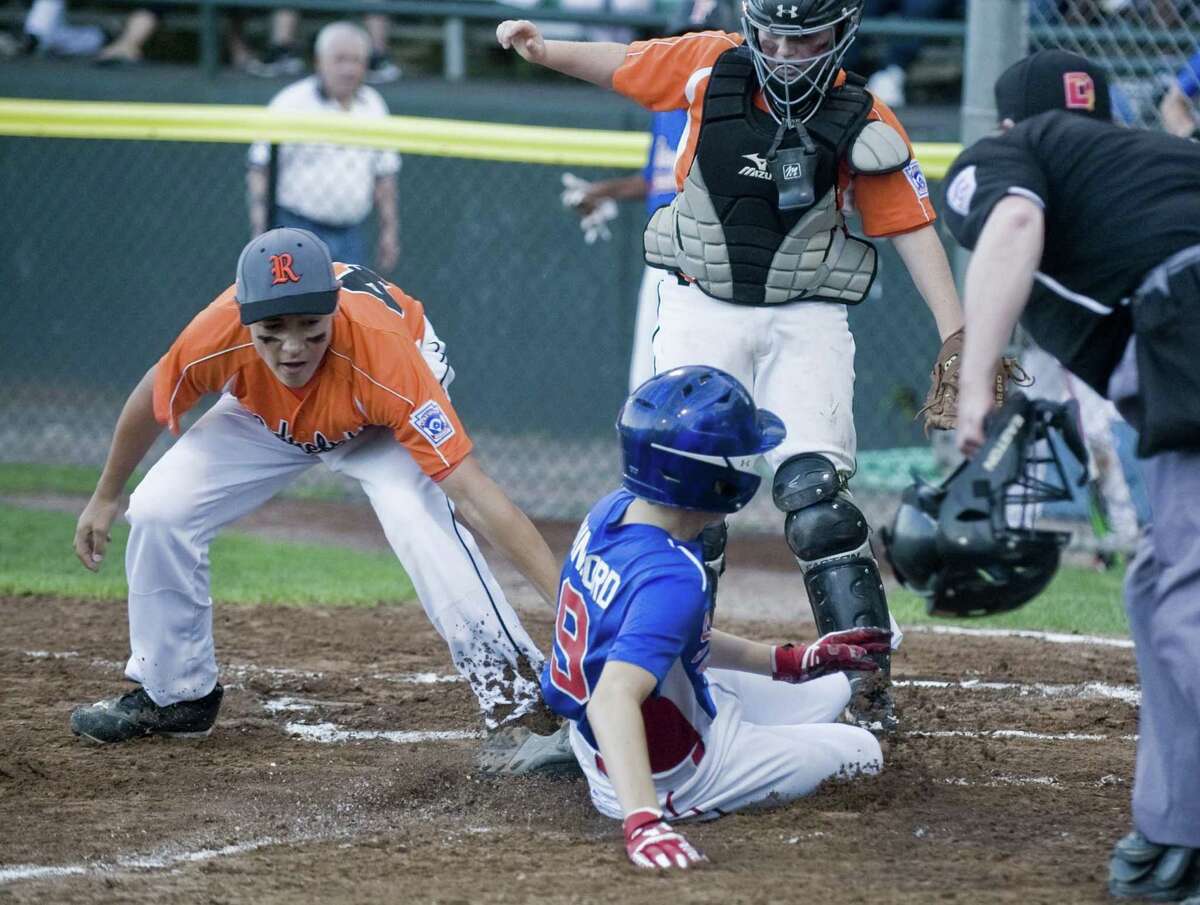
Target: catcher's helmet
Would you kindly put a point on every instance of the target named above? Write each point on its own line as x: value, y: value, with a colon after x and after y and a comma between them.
x: 702, y: 15
x: 795, y: 87
x: 690, y: 437
x: 968, y: 545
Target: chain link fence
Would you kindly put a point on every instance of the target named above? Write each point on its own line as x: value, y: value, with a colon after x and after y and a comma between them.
x: 1148, y: 47
x: 113, y: 246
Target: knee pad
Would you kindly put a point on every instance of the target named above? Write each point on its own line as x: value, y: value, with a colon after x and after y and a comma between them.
x: 804, y: 480
x: 830, y: 528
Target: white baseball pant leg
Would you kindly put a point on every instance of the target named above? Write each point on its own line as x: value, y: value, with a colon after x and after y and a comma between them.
x: 461, y: 597
x: 778, y: 743
x: 226, y: 465
x: 641, y: 361
x: 797, y: 360
x: 788, y: 749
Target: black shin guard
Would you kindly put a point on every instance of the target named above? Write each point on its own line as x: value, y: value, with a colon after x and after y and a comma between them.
x: 848, y: 593
x: 829, y: 536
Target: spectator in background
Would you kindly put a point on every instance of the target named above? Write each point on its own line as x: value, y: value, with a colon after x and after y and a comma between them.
x: 1178, y: 114
x: 140, y: 26
x: 283, y: 55
x: 46, y: 30
x: 127, y: 47
x: 330, y: 189
x: 887, y: 83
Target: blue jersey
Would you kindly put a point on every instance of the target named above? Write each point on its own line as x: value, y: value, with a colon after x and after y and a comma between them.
x: 1189, y: 76
x: 666, y: 128
x: 635, y: 594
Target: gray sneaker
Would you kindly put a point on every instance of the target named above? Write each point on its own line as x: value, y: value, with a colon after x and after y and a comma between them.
x: 133, y: 715
x: 516, y: 750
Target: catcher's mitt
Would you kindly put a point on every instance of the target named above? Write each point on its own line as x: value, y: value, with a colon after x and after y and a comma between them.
x: 941, y: 403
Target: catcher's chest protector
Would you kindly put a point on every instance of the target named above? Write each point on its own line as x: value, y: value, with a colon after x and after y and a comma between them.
x: 725, y: 229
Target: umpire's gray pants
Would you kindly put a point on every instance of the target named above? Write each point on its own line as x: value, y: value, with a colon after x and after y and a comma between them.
x: 1162, y: 596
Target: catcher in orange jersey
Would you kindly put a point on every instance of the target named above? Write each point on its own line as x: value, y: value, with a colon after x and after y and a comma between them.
x: 779, y: 141
x: 314, y: 361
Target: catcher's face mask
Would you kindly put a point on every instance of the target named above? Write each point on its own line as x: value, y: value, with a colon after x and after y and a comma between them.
x: 969, y: 545
x: 798, y: 50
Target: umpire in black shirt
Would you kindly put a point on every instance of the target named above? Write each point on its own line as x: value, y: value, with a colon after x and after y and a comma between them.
x: 1089, y: 233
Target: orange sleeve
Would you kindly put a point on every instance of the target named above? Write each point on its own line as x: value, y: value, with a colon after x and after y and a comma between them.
x: 399, y: 391
x: 203, y: 359
x: 665, y: 73
x: 894, y: 202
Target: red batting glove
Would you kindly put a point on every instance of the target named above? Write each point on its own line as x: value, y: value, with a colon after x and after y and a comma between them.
x: 651, y: 842
x: 834, y: 652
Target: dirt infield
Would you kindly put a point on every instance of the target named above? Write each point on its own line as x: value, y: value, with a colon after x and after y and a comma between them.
x: 1008, y: 784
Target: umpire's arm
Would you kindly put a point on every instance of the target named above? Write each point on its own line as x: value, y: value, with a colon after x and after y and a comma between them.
x: 999, y: 280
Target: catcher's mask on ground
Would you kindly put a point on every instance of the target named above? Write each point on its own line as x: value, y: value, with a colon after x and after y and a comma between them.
x: 691, y: 437
x: 969, y: 545
x: 798, y: 49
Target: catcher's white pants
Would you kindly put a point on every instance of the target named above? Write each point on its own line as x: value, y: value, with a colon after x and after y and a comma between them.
x: 641, y: 362
x: 227, y: 465
x: 797, y: 360
x: 770, y: 743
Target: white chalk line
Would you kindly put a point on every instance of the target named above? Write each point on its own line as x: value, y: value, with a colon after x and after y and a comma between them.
x: 1129, y: 694
x: 136, y: 862
x: 1051, y: 637
x: 1003, y: 781
x: 332, y: 733
x: 252, y: 669
x: 1018, y: 734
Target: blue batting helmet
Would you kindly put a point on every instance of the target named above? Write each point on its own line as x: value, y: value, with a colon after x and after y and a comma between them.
x: 690, y: 438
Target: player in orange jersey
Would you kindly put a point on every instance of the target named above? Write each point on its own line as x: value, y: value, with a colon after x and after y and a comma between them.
x: 779, y: 143
x: 314, y: 361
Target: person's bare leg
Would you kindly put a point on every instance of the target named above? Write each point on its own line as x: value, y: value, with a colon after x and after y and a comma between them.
x: 138, y: 28
x: 285, y: 24
x: 379, y: 27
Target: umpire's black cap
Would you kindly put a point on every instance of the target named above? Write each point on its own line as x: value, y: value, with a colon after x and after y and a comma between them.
x: 1053, y: 80
x: 285, y: 271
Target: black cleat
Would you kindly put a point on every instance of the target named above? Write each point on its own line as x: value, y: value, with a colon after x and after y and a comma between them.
x: 134, y: 715
x: 1143, y: 869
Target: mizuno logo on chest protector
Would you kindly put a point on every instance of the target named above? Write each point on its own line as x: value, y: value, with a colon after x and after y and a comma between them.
x: 759, y: 170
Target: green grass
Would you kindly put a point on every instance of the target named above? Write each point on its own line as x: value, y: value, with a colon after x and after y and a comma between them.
x: 1077, y: 601
x: 20, y: 477
x: 36, y: 558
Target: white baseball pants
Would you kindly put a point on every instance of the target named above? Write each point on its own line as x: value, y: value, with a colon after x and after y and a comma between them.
x: 641, y: 361
x: 797, y: 360
x: 229, y: 464
x: 770, y: 743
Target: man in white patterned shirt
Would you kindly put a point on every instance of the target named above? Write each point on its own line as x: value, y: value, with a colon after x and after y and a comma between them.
x: 330, y: 190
